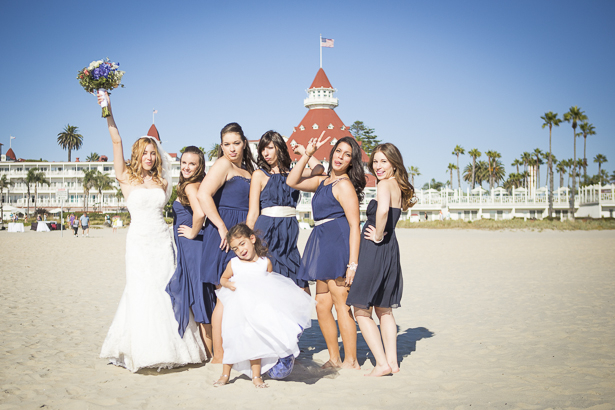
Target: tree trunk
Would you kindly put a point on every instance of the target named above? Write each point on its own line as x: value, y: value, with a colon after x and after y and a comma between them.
x: 561, y: 179
x: 585, y: 155
x: 69, y: 155
x: 458, y: 175
x: 550, y: 176
x: 574, y: 178
x: 473, y: 172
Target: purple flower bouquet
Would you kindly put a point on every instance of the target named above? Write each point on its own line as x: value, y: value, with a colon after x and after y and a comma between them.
x: 99, y: 76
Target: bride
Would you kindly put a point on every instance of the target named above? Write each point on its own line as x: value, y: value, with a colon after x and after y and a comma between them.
x: 144, y: 330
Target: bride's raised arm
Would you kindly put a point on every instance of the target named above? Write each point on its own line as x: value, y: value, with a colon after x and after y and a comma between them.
x: 119, y: 164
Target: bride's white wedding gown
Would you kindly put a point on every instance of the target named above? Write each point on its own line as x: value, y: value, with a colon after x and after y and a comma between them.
x: 144, y: 331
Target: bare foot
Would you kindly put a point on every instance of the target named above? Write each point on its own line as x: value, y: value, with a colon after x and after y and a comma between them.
x: 394, y: 367
x: 259, y: 383
x: 222, y: 380
x: 351, y: 364
x: 331, y: 365
x: 380, y: 371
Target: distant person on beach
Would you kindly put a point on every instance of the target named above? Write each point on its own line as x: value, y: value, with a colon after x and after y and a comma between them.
x: 378, y: 283
x: 84, y: 221
x: 425, y: 216
x: 115, y: 223
x: 144, y: 329
x: 272, y: 205
x: 264, y: 312
x: 332, y: 251
x: 185, y: 287
x: 74, y: 224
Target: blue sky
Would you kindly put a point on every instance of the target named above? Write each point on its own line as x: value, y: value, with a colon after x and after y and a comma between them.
x: 426, y: 75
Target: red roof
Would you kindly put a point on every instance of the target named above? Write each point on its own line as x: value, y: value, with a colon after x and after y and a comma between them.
x: 323, y: 117
x: 11, y: 154
x: 371, y: 180
x: 321, y: 80
x: 153, y: 132
x: 173, y: 155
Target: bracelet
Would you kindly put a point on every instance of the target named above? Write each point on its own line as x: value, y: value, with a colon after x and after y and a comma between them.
x: 352, y: 266
x: 381, y: 239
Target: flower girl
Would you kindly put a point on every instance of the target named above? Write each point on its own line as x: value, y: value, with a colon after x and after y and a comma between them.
x: 264, y: 312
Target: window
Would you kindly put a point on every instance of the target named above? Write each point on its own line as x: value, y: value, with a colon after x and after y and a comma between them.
x: 315, y: 126
x: 333, y: 141
x: 330, y: 126
x: 302, y: 128
x: 107, y: 169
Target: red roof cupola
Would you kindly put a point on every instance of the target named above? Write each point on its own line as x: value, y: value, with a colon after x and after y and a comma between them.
x: 11, y: 154
x: 153, y: 132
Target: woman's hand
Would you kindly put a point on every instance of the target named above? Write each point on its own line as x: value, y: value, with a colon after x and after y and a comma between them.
x: 299, y: 149
x: 315, y: 144
x: 101, y: 98
x: 185, y: 231
x: 230, y: 285
x: 350, y: 276
x: 370, y: 234
x: 223, y: 244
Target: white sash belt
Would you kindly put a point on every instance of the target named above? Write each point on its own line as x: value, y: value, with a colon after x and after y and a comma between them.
x: 322, y: 221
x: 279, y: 211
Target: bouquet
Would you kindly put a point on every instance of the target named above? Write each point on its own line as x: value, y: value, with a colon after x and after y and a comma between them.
x: 99, y: 76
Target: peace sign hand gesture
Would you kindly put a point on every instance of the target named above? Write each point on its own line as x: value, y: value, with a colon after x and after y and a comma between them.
x: 314, y: 144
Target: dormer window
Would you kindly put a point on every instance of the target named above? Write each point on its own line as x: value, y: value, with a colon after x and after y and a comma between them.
x: 302, y: 128
x: 330, y: 126
x: 343, y: 127
x: 293, y: 143
x: 333, y: 141
x: 315, y: 126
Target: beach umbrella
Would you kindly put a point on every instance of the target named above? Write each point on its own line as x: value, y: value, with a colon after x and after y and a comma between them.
x: 55, y: 211
x: 478, y: 190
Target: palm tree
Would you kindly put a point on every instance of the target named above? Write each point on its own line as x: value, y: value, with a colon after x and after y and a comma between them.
x: 88, y: 183
x: 538, y: 154
x: 492, y: 157
x: 586, y: 129
x: 457, y: 151
x: 118, y: 195
x: 613, y: 177
x: 433, y: 184
x: 550, y: 119
x: 604, y: 177
x: 561, y: 168
x: 574, y: 116
x: 213, y: 152
x: 413, y: 171
x: 516, y: 163
x: 600, y: 159
x: 93, y: 157
x: 474, y: 153
x: 526, y: 157
x: 39, y: 179
x: 4, y: 183
x: 451, y: 167
x: 29, y: 179
x: 69, y: 139
x: 101, y: 182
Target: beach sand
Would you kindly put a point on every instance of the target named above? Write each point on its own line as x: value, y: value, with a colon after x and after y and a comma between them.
x: 506, y: 320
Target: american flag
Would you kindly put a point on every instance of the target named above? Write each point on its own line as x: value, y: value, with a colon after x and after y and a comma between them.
x: 326, y: 42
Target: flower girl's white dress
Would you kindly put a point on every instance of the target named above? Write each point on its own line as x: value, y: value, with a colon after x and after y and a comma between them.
x: 263, y: 317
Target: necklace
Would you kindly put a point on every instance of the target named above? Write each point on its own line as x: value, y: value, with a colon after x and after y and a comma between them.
x: 147, y: 178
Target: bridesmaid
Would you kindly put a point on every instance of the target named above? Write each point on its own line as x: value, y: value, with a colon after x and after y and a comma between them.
x: 378, y: 282
x: 332, y: 251
x: 275, y: 201
x: 187, y: 292
x: 224, y: 197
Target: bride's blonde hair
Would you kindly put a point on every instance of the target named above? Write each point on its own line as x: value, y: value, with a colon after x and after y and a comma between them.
x: 135, y: 167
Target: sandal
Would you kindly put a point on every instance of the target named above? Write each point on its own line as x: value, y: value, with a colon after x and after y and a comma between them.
x: 219, y: 382
x: 260, y: 386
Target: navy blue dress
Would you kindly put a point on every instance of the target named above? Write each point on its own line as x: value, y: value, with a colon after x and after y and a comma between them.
x: 378, y: 281
x: 232, y: 202
x: 327, y: 250
x: 280, y: 234
x: 185, y: 287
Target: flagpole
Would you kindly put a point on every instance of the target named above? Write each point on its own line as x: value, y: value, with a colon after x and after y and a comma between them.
x: 153, y: 116
x: 320, y: 47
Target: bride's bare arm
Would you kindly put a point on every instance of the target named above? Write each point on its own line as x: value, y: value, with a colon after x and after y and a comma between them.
x: 119, y: 164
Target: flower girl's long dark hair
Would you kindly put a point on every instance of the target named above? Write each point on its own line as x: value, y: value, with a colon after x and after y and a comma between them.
x: 241, y: 230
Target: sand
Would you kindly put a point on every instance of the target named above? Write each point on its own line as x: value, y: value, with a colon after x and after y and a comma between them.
x: 506, y: 320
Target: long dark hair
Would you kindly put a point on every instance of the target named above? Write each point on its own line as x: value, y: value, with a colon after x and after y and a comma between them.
x: 241, y: 230
x: 247, y: 161
x: 355, y: 170
x: 399, y: 171
x: 280, y: 148
x: 198, y: 175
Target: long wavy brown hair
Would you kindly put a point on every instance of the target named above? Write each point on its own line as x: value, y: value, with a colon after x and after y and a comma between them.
x: 281, y: 152
x: 199, y: 174
x: 135, y: 167
x: 241, y: 230
x: 399, y: 172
